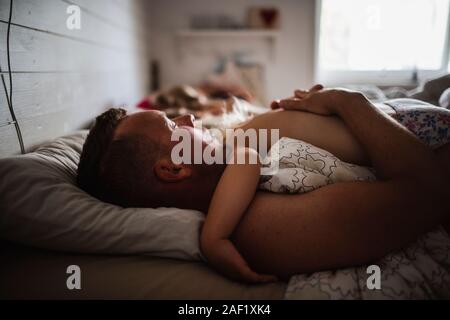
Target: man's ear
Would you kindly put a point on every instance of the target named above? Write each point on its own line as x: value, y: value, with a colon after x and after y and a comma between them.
x: 167, y: 171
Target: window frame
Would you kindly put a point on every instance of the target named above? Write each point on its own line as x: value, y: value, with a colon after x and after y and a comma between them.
x: 385, y: 78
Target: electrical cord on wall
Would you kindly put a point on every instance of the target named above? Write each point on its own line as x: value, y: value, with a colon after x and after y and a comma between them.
x: 9, y: 97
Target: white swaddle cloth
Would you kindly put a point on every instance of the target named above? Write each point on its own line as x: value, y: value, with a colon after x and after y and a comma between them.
x: 299, y: 167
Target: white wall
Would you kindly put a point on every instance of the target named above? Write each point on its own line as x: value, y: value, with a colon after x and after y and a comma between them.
x: 187, y: 62
x: 63, y: 78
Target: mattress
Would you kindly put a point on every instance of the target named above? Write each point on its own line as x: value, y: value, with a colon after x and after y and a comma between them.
x: 28, y: 273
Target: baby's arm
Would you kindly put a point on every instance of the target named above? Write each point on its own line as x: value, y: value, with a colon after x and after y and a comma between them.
x: 231, y: 198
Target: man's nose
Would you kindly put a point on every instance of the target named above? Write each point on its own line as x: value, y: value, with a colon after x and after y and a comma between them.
x: 186, y: 120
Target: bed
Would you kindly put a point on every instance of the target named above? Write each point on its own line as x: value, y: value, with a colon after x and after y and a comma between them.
x: 29, y: 273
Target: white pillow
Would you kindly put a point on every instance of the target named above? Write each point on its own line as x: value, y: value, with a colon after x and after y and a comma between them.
x: 444, y: 100
x: 41, y: 206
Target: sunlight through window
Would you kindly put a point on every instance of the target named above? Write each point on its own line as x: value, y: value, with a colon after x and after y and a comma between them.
x: 383, y: 35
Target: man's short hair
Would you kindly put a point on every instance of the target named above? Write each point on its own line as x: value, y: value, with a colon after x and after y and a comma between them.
x: 117, y: 170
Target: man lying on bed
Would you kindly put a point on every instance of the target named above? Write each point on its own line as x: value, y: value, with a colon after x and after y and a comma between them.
x: 127, y: 161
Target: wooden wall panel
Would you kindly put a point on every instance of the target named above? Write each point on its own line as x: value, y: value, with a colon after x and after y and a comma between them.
x: 38, y: 94
x: 9, y: 144
x: 33, y: 51
x: 51, y: 16
x: 63, y: 78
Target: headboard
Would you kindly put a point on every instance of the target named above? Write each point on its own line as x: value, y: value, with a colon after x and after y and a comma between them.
x: 63, y: 77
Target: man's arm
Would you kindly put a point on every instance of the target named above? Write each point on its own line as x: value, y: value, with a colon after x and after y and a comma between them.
x: 350, y: 223
x: 389, y: 145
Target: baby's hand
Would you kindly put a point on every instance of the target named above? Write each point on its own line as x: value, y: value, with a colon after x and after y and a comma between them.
x: 223, y: 256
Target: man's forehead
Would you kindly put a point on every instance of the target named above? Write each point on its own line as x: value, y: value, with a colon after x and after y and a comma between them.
x: 152, y: 115
x: 141, y: 121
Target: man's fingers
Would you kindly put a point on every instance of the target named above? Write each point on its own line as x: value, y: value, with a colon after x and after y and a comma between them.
x: 292, y: 104
x: 301, y: 94
x: 316, y: 88
x: 275, y: 105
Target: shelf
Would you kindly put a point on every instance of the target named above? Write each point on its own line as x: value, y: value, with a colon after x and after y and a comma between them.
x: 228, y: 33
x: 185, y: 36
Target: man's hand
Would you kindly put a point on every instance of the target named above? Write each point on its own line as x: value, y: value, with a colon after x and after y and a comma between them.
x: 223, y: 256
x: 318, y: 100
x: 298, y: 94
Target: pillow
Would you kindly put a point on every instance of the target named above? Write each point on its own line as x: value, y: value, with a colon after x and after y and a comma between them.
x: 444, y: 100
x: 41, y: 206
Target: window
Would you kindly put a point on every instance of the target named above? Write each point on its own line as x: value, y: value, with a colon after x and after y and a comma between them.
x: 381, y: 41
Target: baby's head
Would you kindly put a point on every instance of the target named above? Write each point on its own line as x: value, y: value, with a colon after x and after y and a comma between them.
x: 126, y: 160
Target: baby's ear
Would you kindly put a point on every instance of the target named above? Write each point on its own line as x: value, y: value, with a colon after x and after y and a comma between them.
x: 167, y: 171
